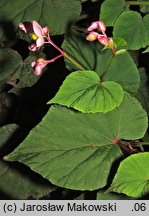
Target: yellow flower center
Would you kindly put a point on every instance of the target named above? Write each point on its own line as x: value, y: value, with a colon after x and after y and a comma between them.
x: 34, y: 36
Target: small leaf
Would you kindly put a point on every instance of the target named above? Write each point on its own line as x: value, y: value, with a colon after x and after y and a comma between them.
x: 132, y: 177
x: 84, y: 91
x: 144, y: 8
x: 146, y: 50
x: 120, y: 42
x: 75, y: 150
x: 26, y: 75
x: 130, y: 22
x: 10, y: 63
x: 110, y: 10
x: 120, y: 69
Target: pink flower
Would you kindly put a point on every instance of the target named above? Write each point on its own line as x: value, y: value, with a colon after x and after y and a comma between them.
x: 97, y: 25
x: 37, y: 36
x: 38, y: 65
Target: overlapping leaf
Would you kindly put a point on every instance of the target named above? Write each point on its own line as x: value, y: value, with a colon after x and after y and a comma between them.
x: 130, y: 22
x: 56, y: 14
x: 84, y: 91
x: 17, y: 185
x: 14, y: 70
x: 120, y: 69
x: 75, y: 150
x: 10, y: 63
x: 132, y: 177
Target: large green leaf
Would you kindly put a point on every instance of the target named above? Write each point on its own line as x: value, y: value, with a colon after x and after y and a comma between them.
x: 84, y: 91
x: 130, y: 22
x: 17, y: 185
x: 10, y: 63
x: 120, y: 69
x: 110, y: 10
x: 132, y: 177
x: 56, y: 14
x: 75, y: 150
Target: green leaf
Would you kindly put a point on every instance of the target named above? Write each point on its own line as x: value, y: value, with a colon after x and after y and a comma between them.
x: 110, y: 11
x: 130, y: 22
x: 17, y: 185
x: 144, y: 8
x: 143, y: 92
x: 120, y: 42
x: 132, y: 177
x: 6, y: 132
x: 146, y: 50
x: 10, y: 63
x: 74, y: 150
x: 120, y: 69
x: 26, y: 75
x: 56, y: 14
x: 84, y: 91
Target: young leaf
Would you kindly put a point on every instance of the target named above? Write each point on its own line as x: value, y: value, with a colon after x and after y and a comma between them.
x: 84, y: 91
x: 110, y: 10
x: 132, y: 177
x: 56, y: 14
x: 120, y: 69
x: 130, y: 22
x: 76, y: 150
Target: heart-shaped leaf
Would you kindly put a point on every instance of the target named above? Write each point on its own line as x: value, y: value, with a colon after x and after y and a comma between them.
x: 130, y: 22
x: 76, y: 150
x: 120, y: 69
x: 110, y: 10
x: 56, y: 14
x: 84, y: 91
x: 132, y: 177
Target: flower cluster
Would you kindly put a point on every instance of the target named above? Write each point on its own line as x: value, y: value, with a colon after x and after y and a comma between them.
x: 40, y: 36
x: 102, y: 38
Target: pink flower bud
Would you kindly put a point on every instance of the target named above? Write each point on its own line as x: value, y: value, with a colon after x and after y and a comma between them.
x: 92, y: 36
x: 38, y: 65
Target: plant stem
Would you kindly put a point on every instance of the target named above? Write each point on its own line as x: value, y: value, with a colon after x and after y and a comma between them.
x: 73, y: 61
x: 142, y: 143
x: 137, y: 3
x: 78, y: 65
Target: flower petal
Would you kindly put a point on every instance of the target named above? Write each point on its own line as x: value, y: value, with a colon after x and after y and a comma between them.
x: 26, y: 27
x: 37, y: 29
x: 103, y: 39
